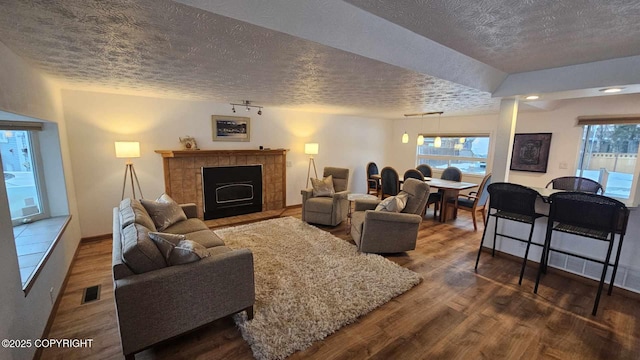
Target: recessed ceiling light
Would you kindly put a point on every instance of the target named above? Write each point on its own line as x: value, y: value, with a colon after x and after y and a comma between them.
x: 532, y: 97
x: 611, y: 90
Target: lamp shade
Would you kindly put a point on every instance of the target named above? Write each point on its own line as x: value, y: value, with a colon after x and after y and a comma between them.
x: 405, y: 138
x: 127, y: 149
x: 420, y: 140
x: 311, y: 148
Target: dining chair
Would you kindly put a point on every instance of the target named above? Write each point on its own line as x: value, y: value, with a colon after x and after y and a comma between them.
x: 425, y: 170
x: 373, y: 185
x: 390, y: 182
x: 586, y: 215
x: 413, y: 174
x: 511, y: 202
x: 475, y: 201
x: 451, y: 173
x: 576, y: 183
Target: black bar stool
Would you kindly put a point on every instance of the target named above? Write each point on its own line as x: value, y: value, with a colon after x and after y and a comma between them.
x: 588, y: 215
x: 511, y: 202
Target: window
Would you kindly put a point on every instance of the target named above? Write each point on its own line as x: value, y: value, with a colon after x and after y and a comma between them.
x: 466, y: 152
x: 19, y: 151
x: 23, y: 171
x: 608, y: 155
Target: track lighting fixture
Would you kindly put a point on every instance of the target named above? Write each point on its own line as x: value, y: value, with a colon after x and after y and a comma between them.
x: 247, y: 105
x: 420, y: 139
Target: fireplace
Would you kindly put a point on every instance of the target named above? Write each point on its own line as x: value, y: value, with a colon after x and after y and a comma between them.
x: 231, y: 190
x: 183, y: 174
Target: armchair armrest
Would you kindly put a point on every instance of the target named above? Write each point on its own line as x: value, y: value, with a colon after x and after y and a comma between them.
x: 341, y: 195
x: 190, y: 209
x: 363, y: 205
x: 306, y: 194
x: 175, y: 299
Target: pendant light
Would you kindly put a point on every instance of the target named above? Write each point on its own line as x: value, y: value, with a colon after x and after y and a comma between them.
x: 420, y: 140
x: 438, y: 141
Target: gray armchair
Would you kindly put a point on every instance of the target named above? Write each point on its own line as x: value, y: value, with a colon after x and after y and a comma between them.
x: 389, y: 232
x: 327, y: 210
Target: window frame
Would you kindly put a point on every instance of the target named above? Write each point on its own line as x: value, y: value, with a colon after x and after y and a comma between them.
x: 38, y: 174
x: 587, y: 124
x: 449, y: 158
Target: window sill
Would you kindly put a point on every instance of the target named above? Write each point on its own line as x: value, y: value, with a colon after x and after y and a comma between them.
x: 35, y: 242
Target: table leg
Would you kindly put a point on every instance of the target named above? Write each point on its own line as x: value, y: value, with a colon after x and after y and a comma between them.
x: 444, y: 208
x: 349, y: 217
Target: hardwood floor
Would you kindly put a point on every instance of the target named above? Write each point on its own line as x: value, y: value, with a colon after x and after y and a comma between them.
x: 454, y: 313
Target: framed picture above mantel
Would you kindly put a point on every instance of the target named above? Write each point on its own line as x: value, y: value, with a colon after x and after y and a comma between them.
x: 531, y: 152
x: 230, y: 128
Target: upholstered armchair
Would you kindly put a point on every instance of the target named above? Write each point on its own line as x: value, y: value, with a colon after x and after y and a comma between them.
x: 327, y: 210
x: 390, y: 232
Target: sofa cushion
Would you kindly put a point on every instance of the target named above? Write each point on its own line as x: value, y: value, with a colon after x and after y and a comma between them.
x: 177, y: 249
x: 131, y: 210
x: 186, y: 226
x: 166, y: 242
x: 323, y: 187
x: 218, y: 250
x: 206, y: 238
x: 164, y: 211
x: 393, y: 203
x: 138, y: 250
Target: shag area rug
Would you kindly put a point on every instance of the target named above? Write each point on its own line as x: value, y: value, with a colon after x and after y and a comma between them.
x: 309, y: 284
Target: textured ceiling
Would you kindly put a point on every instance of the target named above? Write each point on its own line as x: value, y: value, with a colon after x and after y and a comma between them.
x: 163, y: 48
x: 166, y: 49
x: 521, y: 35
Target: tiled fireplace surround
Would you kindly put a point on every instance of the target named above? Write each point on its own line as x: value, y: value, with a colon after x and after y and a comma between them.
x: 183, y: 175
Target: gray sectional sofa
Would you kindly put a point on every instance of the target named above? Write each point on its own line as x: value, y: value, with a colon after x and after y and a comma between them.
x: 155, y: 301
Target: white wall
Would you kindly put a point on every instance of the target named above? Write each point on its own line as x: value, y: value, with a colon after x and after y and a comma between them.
x: 565, y: 144
x: 96, y: 120
x: 25, y: 91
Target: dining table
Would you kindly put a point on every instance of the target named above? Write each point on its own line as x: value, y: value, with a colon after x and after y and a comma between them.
x: 450, y: 190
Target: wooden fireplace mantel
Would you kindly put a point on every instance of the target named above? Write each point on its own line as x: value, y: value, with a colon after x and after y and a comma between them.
x: 195, y: 153
x: 183, y: 173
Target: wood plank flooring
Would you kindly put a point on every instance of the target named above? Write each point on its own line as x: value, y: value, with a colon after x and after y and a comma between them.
x: 454, y: 313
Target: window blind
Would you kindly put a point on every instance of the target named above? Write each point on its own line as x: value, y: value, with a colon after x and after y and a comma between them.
x: 20, y: 125
x: 608, y: 119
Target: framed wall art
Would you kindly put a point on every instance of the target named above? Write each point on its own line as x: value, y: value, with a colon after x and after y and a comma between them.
x: 230, y: 128
x: 531, y: 152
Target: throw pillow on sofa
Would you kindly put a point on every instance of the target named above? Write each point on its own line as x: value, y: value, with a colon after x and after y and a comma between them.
x: 164, y: 211
x: 177, y: 249
x: 393, y: 203
x: 323, y: 187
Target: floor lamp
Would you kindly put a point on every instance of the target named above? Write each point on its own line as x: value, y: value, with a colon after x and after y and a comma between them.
x: 311, y: 149
x: 129, y: 150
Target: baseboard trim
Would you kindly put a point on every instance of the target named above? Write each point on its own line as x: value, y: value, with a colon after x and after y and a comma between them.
x: 554, y: 270
x: 96, y: 238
